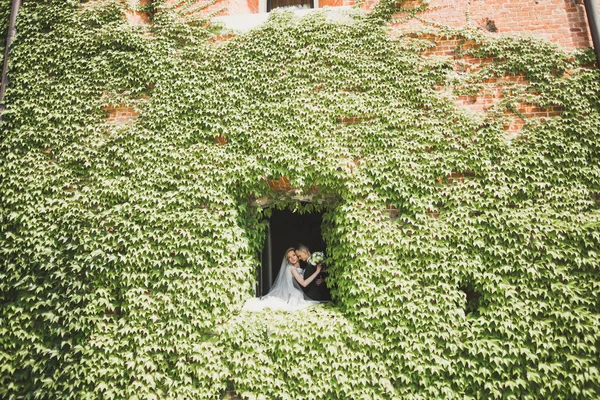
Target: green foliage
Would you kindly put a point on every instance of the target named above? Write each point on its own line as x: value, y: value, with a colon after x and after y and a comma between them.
x: 127, y: 251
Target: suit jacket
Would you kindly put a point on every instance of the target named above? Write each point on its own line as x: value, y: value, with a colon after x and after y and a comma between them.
x: 312, y: 290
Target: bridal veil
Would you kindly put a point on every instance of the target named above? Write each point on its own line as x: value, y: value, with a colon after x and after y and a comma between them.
x: 285, y: 294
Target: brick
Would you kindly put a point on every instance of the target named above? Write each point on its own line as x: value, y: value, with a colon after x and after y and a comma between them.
x: 119, y: 114
x: 542, y: 19
x: 280, y: 185
x: 221, y: 140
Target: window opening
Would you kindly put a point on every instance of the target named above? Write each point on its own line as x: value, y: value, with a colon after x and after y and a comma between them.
x: 287, y: 229
x: 273, y: 4
x: 473, y: 298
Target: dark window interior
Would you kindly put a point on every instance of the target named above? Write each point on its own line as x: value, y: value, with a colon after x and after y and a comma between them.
x: 272, y: 4
x: 287, y: 229
x: 473, y: 299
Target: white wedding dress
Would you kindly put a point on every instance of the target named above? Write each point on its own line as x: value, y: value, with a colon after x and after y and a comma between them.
x: 285, y: 294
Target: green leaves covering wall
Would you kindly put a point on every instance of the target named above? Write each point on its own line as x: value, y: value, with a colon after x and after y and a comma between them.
x: 128, y: 250
x: 5, y: 18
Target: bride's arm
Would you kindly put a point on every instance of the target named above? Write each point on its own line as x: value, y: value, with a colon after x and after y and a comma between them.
x: 307, y: 281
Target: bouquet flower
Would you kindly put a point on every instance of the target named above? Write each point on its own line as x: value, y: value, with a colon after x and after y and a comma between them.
x: 316, y: 258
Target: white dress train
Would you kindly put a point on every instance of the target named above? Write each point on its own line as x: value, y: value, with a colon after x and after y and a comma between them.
x: 285, y: 294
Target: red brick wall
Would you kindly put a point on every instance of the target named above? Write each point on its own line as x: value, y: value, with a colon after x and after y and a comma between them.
x: 282, y: 184
x: 561, y: 21
x: 493, y: 90
x: 335, y: 3
x: 235, y: 7
x: 121, y: 114
x: 136, y: 17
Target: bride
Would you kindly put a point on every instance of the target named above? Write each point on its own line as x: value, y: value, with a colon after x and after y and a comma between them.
x: 286, y: 293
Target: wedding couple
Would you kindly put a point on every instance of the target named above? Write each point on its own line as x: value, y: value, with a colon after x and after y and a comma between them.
x: 298, y: 284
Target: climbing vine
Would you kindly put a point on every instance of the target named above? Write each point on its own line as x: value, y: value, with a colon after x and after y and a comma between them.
x: 463, y: 262
x: 5, y: 20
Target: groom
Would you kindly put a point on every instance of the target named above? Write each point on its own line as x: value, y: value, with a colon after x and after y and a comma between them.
x: 316, y: 290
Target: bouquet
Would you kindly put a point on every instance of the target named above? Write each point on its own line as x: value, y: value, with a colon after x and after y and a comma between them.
x: 316, y: 258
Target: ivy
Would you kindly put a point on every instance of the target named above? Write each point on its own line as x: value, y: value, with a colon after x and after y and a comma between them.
x: 463, y: 264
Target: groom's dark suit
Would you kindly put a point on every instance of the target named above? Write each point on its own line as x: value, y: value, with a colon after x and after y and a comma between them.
x: 312, y: 290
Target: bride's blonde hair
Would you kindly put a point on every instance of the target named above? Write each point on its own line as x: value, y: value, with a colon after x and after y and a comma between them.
x: 287, y: 251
